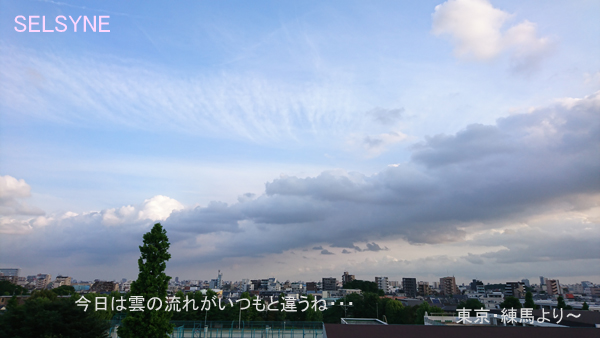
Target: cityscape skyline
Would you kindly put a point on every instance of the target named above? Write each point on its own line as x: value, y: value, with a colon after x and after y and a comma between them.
x: 439, y: 138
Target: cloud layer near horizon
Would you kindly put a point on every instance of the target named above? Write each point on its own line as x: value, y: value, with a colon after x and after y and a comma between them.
x: 482, y: 179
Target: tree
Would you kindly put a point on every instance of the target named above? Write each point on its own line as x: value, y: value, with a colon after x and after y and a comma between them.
x: 45, y: 317
x: 471, y: 304
x: 393, y: 311
x: 8, y: 289
x: 425, y: 307
x: 64, y: 290
x: 151, y: 282
x: 364, y: 286
x: 511, y: 302
x: 561, y: 303
x: 529, y: 304
x: 585, y: 307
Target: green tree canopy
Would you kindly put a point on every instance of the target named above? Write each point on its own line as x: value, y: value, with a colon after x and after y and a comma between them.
x: 8, y: 289
x: 529, y: 304
x: 64, y: 290
x: 511, y: 302
x: 151, y: 282
x: 585, y: 307
x: 561, y: 303
x: 471, y: 304
x: 44, y: 317
x: 364, y: 286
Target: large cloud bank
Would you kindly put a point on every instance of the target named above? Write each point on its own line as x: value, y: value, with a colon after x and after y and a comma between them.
x: 524, y: 168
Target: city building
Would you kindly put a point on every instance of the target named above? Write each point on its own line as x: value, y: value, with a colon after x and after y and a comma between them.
x: 216, y: 283
x: 62, y: 280
x: 347, y: 278
x: 104, y: 287
x: 473, y: 285
x: 311, y: 287
x: 525, y: 282
x: 448, y: 286
x: 514, y: 289
x: 42, y: 280
x: 382, y: 284
x: 492, y: 300
x: 410, y: 287
x: 553, y: 287
x: 423, y: 289
x: 329, y: 284
x: 10, y: 274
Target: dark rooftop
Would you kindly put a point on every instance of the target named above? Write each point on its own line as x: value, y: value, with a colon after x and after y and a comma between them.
x: 420, y: 331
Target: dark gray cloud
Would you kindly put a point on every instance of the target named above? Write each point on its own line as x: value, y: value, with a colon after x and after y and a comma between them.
x: 317, y: 247
x: 346, y: 251
x: 386, y: 116
x: 375, y: 247
x: 326, y: 252
x: 486, y: 174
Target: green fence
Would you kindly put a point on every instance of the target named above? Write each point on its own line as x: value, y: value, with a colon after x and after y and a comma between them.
x: 235, y: 329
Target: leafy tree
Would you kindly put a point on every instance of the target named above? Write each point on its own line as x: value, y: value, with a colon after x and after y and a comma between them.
x: 511, y: 302
x: 561, y: 303
x: 471, y: 304
x: 151, y: 282
x: 44, y: 317
x: 425, y: 307
x: 393, y: 311
x: 8, y: 289
x: 64, y: 290
x: 364, y: 286
x: 43, y: 294
x: 312, y: 315
x: 585, y: 307
x: 529, y: 304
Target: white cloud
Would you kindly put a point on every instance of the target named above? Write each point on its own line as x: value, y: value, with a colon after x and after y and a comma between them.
x: 157, y: 208
x: 11, y: 187
x: 11, y: 190
x: 475, y: 28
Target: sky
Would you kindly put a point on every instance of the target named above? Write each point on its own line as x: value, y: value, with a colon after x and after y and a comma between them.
x: 299, y: 140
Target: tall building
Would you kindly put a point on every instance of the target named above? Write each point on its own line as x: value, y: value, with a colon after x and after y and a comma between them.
x: 347, y: 278
x: 474, y: 283
x: 63, y: 280
x: 329, y: 284
x: 217, y: 283
x: 514, y: 289
x: 311, y: 286
x: 11, y: 275
x: 382, y: 284
x: 448, y: 286
x: 9, y: 272
x: 410, y: 287
x: 42, y: 280
x: 525, y: 282
x: 423, y: 289
x: 553, y: 287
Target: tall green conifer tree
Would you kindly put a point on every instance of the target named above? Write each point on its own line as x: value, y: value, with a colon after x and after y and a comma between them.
x: 151, y: 282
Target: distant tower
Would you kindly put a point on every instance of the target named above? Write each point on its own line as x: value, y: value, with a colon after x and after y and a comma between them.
x: 220, y: 280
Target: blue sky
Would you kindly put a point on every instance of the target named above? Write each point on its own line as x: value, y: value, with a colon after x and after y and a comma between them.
x: 297, y: 115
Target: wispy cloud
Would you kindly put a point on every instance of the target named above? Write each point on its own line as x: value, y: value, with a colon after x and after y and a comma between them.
x: 90, y: 91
